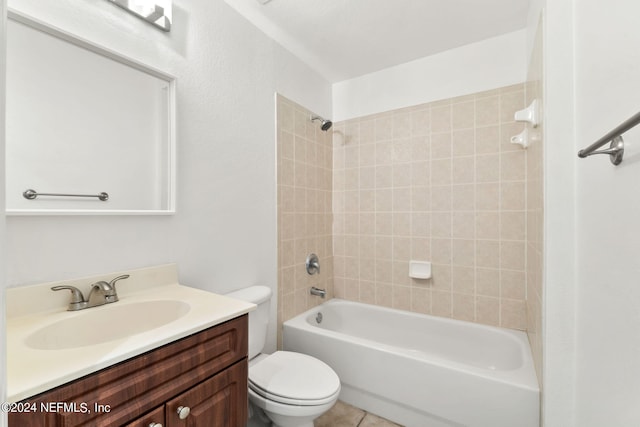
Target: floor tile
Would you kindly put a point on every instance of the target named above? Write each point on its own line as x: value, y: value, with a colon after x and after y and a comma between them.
x: 341, y: 415
x: 371, y: 420
x: 344, y: 415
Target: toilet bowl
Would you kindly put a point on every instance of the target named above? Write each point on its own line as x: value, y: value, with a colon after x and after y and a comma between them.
x: 292, y: 389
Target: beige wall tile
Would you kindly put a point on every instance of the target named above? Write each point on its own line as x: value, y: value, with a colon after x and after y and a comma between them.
x: 441, y: 145
x: 441, y: 198
x: 463, y: 280
x: 440, y: 118
x: 463, y: 114
x: 512, y: 166
x: 512, y: 196
x: 487, y: 111
x: 436, y: 182
x: 487, y: 196
x: 441, y: 302
x: 384, y: 128
x: 512, y: 225
x: 421, y: 122
x: 488, y: 253
x: 487, y: 168
x: 488, y: 310
x: 463, y: 170
x: 463, y: 225
x: 421, y: 300
x: 463, y: 252
x: 488, y: 139
x: 463, y: 307
x: 441, y: 224
x: 488, y: 225
x: 441, y: 172
x: 420, y: 148
x: 463, y: 197
x: 488, y: 282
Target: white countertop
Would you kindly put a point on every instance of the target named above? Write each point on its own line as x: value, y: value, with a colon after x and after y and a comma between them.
x: 31, y: 371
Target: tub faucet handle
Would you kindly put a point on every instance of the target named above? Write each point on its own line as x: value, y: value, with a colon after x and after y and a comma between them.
x: 313, y: 264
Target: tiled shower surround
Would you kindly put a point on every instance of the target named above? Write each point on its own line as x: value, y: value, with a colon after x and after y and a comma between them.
x: 437, y: 182
x: 304, y: 209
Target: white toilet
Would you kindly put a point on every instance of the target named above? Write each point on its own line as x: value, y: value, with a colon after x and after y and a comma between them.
x: 292, y: 389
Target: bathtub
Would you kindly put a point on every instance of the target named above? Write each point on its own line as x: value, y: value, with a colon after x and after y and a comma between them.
x: 419, y: 370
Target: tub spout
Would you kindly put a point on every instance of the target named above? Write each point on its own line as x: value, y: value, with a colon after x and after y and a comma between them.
x: 318, y: 292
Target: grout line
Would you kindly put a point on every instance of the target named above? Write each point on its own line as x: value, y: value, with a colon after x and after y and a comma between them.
x: 364, y: 415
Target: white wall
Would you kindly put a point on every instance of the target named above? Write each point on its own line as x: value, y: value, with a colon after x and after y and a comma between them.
x: 3, y: 365
x: 607, y: 65
x: 476, y: 67
x: 223, y: 236
x: 559, y: 264
x: 592, y: 320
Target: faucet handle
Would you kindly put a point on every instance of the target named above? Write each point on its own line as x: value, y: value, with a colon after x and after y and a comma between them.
x: 77, y: 299
x: 112, y: 283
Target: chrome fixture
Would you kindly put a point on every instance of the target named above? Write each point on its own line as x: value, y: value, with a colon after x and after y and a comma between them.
x: 183, y: 412
x: 325, y: 124
x: 155, y: 12
x: 319, y: 318
x: 312, y: 264
x: 32, y: 194
x: 616, y: 148
x: 318, y: 292
x: 101, y: 293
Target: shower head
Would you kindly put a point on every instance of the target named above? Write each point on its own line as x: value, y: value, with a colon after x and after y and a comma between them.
x: 325, y: 125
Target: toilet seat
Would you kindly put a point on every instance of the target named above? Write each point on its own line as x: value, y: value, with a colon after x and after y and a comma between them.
x: 294, y: 379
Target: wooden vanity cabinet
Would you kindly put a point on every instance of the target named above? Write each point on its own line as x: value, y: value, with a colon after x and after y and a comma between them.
x: 206, y: 372
x: 151, y: 419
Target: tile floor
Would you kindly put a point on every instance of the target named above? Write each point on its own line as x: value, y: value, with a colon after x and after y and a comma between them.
x: 343, y: 415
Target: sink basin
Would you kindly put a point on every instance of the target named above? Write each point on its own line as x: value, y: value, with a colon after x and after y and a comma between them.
x: 106, y: 323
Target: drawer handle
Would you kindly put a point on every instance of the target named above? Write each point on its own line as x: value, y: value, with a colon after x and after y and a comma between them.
x: 183, y: 412
x: 155, y: 425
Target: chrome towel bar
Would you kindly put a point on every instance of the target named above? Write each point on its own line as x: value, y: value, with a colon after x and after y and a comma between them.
x: 616, y: 148
x: 32, y: 194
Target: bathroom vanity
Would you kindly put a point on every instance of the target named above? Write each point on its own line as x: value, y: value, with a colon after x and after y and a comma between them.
x: 202, y: 378
x: 190, y: 371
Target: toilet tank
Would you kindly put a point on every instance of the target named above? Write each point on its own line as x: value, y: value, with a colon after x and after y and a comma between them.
x: 258, y: 318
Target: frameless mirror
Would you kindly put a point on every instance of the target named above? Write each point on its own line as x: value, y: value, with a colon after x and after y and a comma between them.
x: 83, y: 120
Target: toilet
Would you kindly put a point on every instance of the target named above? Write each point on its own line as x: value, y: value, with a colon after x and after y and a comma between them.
x: 291, y: 388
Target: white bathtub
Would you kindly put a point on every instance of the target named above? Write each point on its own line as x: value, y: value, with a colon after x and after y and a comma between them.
x: 421, y: 371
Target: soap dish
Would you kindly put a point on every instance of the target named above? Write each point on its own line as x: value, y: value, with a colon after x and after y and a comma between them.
x: 420, y: 269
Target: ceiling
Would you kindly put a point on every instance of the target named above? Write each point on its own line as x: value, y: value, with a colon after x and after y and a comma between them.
x: 342, y: 39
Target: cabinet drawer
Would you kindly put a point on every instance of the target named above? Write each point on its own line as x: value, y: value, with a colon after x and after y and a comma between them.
x: 136, y: 386
x: 153, y: 417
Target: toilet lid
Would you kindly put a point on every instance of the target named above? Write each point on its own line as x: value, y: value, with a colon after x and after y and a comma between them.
x: 286, y: 376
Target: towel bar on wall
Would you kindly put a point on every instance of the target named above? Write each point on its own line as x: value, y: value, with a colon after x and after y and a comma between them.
x: 616, y: 147
x: 32, y: 194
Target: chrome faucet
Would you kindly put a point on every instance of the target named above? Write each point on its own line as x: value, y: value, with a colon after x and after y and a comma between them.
x: 312, y: 264
x: 101, y: 293
x: 318, y: 292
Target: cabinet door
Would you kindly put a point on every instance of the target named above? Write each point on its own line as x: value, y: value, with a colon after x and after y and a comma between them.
x: 219, y: 401
x: 154, y: 418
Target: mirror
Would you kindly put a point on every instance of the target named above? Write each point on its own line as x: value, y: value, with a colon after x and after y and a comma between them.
x: 83, y: 120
